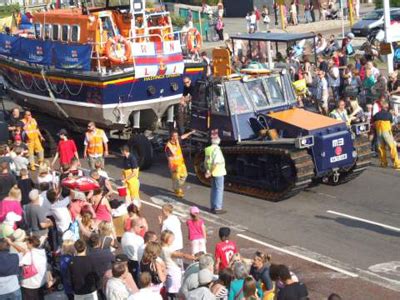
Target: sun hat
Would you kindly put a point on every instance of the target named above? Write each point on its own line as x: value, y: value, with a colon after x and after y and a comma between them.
x: 194, y: 210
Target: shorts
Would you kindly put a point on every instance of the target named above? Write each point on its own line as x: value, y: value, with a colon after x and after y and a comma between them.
x: 174, y: 279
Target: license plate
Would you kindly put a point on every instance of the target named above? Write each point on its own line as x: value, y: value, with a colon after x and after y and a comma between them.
x: 338, y: 158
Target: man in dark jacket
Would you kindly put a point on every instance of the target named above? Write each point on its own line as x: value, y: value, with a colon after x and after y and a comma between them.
x: 9, y: 271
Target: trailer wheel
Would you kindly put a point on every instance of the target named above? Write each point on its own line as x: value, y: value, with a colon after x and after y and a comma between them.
x: 141, y: 146
x: 49, y: 145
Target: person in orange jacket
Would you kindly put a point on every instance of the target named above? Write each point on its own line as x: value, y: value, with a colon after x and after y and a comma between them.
x: 96, y: 145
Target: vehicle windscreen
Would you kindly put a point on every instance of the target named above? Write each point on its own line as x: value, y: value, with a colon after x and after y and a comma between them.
x: 275, y: 90
x: 373, y: 15
x: 238, y: 103
x: 289, y: 89
x: 257, y: 93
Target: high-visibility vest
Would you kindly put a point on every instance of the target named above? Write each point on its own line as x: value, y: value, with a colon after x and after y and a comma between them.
x: 216, y: 169
x: 31, y: 129
x: 383, y: 126
x: 95, y: 142
x: 175, y: 161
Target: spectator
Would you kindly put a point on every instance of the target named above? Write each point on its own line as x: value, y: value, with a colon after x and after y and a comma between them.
x: 59, y: 211
x: 66, y: 149
x: 197, y: 231
x: 260, y: 272
x: 9, y: 271
x: 87, y: 225
x: 307, y: 11
x: 174, y: 271
x: 334, y: 80
x: 101, y: 207
x: 219, y: 28
x: 321, y: 44
x: 130, y: 243
x: 6, y: 157
x: 171, y: 222
x: 12, y: 203
x: 102, y: 258
x: 154, y: 265
x: 7, y: 180
x: 191, y: 278
x: 96, y: 145
x: 20, y: 162
x: 293, y: 13
x: 332, y: 46
x: 334, y: 296
x: 67, y: 254
x: 25, y: 184
x: 149, y: 236
x: 292, y: 289
x: 15, y: 120
x: 45, y: 175
x: 33, y: 287
x: 134, y: 214
x: 203, y: 291
x: 105, y: 184
x: 250, y: 289
x: 146, y: 292
x: 224, y: 250
x: 220, y: 287
x: 83, y: 277
x: 107, y: 238
x: 253, y: 22
x: 116, y: 288
x: 19, y: 239
x: 236, y: 288
x: 35, y: 216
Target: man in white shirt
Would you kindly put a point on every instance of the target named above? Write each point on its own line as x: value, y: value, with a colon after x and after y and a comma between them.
x: 168, y: 221
x: 116, y: 289
x: 59, y: 211
x: 131, y: 242
x: 145, y: 293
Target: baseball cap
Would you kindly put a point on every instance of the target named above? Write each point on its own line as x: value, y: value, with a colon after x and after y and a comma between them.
x: 121, y: 258
x: 62, y: 132
x: 194, y: 210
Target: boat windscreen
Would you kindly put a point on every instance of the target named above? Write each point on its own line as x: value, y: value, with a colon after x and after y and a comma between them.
x: 257, y: 93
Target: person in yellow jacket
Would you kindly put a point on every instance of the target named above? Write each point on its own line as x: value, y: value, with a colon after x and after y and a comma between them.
x: 215, y: 169
x: 130, y: 175
x: 33, y: 139
x: 96, y: 145
x: 383, y: 126
x: 176, y: 162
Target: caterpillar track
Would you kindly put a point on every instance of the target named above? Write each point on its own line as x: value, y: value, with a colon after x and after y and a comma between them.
x: 363, y: 147
x: 269, y: 173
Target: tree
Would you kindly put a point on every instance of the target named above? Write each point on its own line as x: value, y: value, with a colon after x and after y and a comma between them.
x: 393, y: 3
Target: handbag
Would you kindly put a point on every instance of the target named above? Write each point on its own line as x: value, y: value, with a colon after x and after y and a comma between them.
x: 29, y: 271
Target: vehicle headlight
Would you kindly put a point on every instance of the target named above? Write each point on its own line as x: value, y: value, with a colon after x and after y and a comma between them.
x: 361, y: 128
x: 304, y: 142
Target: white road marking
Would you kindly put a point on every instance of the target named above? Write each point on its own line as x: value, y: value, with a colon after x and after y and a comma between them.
x: 327, y: 195
x: 364, y: 220
x: 303, y: 257
x: 391, y: 268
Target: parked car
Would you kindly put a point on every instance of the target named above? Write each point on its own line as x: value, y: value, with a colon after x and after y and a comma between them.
x: 373, y: 21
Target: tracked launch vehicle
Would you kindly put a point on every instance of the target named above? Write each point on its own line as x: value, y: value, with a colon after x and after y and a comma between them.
x: 272, y: 149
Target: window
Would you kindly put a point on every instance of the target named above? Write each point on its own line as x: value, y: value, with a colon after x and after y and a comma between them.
x: 199, y: 99
x: 218, y: 103
x: 56, y: 32
x: 107, y: 26
x: 65, y: 33
x: 257, y: 93
x: 238, y: 103
x: 374, y: 15
x: 275, y: 94
x: 75, y: 33
x: 38, y: 30
x: 47, y: 31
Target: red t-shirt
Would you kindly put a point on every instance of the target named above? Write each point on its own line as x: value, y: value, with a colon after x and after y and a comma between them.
x: 66, y: 150
x: 224, y: 251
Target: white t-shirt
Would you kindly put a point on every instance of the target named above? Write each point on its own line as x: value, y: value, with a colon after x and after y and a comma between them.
x: 145, y: 294
x: 141, y: 252
x: 44, y: 202
x: 130, y: 243
x: 173, y: 224
x: 59, y: 210
x: 253, y: 19
x: 40, y: 261
x: 166, y: 256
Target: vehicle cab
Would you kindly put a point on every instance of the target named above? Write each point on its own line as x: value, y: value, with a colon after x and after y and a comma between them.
x: 228, y: 104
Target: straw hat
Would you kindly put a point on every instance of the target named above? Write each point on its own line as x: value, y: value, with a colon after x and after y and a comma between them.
x: 19, y: 235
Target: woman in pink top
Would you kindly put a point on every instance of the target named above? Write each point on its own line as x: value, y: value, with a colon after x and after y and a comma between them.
x: 197, y: 231
x: 101, y: 206
x: 12, y: 203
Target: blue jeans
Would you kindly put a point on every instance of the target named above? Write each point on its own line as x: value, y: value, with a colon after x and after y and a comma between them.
x: 12, y: 296
x: 217, y: 192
